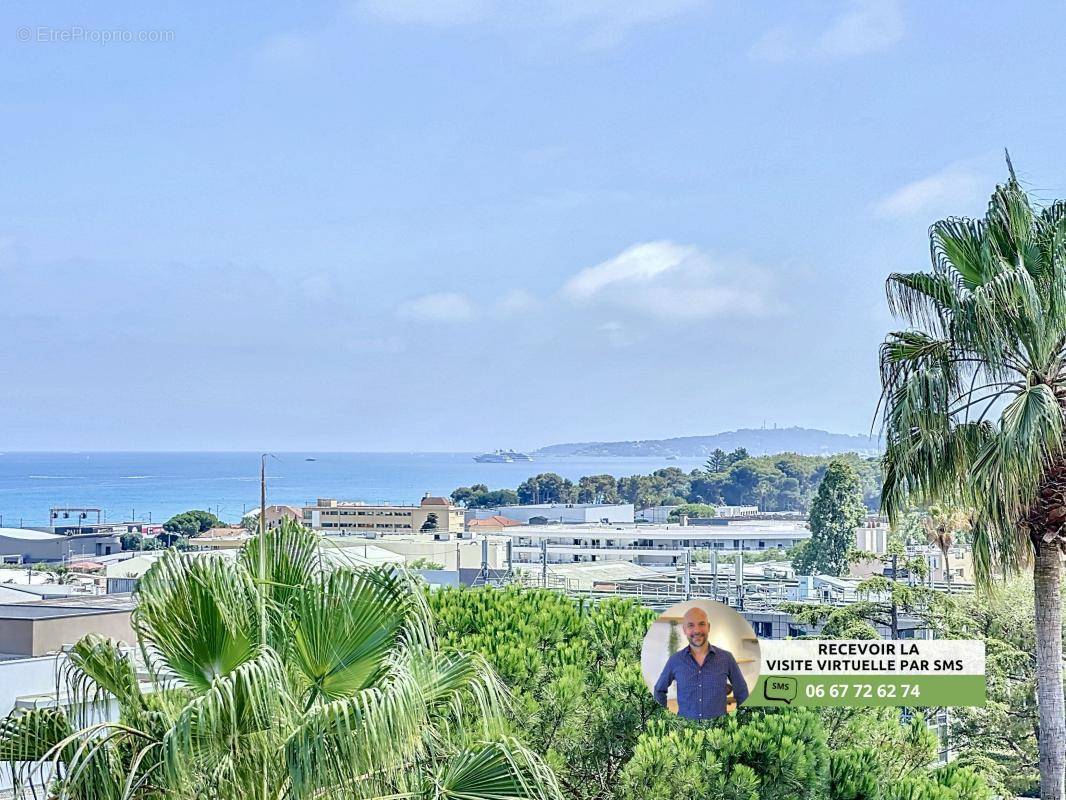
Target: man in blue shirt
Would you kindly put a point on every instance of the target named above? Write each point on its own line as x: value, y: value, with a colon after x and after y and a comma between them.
x: 703, y: 673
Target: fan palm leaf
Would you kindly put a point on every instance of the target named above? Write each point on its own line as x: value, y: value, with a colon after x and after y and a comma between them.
x: 342, y: 693
x: 973, y: 408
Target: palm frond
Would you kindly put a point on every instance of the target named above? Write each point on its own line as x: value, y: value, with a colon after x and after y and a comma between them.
x: 197, y: 617
x: 345, y: 625
x: 98, y: 670
x: 927, y: 299
x: 30, y: 735
x: 958, y: 251
x: 495, y: 771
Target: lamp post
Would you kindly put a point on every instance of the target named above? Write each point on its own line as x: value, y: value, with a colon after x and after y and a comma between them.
x: 262, y: 544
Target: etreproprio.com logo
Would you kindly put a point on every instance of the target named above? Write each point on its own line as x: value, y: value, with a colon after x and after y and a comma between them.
x: 77, y: 33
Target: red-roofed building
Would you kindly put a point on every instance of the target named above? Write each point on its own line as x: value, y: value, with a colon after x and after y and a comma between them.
x: 85, y: 566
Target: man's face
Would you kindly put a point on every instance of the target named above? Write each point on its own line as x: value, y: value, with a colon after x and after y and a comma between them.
x: 696, y: 627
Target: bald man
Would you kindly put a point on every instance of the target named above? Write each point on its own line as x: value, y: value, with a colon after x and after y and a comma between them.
x: 703, y: 673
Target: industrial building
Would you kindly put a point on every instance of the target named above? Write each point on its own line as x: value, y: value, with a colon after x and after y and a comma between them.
x: 29, y: 545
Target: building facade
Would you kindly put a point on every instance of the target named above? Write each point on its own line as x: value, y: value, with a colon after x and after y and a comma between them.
x: 334, y: 517
x: 650, y: 545
x: 872, y: 537
x: 275, y: 515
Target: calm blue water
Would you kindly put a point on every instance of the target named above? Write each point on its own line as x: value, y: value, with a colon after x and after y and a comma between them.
x: 163, y: 484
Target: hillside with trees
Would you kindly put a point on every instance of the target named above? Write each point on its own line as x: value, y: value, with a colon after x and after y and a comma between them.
x: 781, y: 482
x: 759, y: 441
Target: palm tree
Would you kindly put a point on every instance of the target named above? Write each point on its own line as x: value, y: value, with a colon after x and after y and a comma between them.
x: 321, y: 681
x: 973, y: 399
x: 941, y: 527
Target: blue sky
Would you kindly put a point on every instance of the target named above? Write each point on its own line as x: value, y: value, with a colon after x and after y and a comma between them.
x: 461, y: 224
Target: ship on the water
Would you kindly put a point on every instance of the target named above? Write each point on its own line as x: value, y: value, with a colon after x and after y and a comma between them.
x: 502, y: 457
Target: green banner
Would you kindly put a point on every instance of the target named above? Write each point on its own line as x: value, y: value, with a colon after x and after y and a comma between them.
x: 868, y: 690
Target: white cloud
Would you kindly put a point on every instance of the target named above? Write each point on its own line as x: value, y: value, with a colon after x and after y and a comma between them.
x: 668, y: 280
x: 953, y: 190
x: 616, y: 333
x: 601, y: 23
x: 437, y: 307
x: 870, y: 26
x: 515, y: 303
x: 866, y: 26
x: 640, y: 263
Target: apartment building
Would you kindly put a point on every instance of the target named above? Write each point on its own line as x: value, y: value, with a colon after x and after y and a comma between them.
x: 433, y: 515
x: 649, y: 545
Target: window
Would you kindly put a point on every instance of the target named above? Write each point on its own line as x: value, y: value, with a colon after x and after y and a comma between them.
x: 764, y: 630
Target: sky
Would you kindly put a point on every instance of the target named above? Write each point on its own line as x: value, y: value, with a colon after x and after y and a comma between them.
x: 464, y: 224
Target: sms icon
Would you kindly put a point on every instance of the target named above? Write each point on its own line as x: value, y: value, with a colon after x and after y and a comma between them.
x: 779, y: 688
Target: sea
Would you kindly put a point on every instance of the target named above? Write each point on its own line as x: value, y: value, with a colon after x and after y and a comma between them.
x: 155, y: 486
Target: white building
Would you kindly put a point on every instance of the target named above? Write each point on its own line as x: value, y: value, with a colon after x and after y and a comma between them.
x: 649, y: 545
x: 872, y: 537
x: 736, y: 511
x: 30, y: 545
x: 660, y: 515
x: 341, y: 518
x: 562, y: 513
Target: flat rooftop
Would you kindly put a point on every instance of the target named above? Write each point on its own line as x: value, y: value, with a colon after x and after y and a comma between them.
x: 28, y: 534
x: 738, y: 529
x: 68, y: 607
x: 565, y: 505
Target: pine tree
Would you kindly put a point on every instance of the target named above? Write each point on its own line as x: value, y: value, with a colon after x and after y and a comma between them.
x: 836, y: 512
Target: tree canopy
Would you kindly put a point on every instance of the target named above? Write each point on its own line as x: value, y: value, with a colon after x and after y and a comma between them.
x: 782, y: 482
x: 580, y: 700
x: 191, y: 523
x: 480, y: 496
